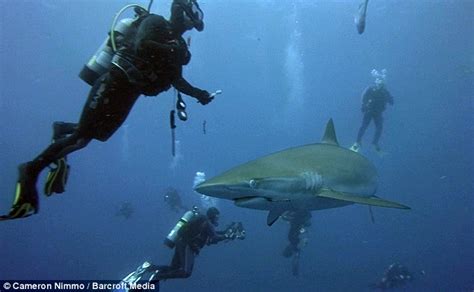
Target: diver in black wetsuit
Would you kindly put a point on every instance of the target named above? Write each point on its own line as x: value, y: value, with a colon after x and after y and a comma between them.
x: 396, y: 276
x: 149, y: 64
x: 192, y: 237
x: 374, y: 101
x: 299, y: 222
x: 125, y: 210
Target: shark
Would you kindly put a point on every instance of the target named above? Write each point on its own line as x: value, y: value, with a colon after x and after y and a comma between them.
x: 310, y: 177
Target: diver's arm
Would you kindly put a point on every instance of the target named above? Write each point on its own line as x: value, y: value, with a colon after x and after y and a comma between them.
x: 390, y: 98
x: 215, y: 236
x: 185, y: 87
x: 387, y: 97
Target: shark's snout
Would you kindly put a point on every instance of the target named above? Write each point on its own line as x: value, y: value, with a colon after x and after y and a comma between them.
x: 211, y: 189
x: 220, y: 190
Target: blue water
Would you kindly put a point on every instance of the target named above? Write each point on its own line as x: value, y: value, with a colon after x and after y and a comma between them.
x: 285, y: 68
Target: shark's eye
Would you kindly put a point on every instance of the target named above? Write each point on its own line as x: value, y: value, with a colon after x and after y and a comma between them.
x: 252, y: 183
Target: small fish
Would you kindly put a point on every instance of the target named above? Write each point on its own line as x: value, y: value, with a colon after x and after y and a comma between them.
x: 204, y: 127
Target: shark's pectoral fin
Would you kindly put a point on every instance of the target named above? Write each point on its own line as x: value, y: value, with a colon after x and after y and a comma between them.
x: 371, y: 201
x: 273, y: 215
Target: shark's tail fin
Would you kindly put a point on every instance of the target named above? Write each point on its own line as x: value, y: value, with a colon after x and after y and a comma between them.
x: 371, y: 201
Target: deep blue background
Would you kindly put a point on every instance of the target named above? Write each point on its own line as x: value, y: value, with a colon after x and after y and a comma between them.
x: 285, y: 67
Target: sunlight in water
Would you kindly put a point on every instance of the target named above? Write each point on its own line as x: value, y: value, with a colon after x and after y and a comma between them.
x: 294, y: 65
x: 206, y: 201
x: 175, y: 161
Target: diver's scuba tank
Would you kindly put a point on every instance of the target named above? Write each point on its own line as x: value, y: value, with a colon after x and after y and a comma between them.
x: 172, y: 237
x: 121, y: 33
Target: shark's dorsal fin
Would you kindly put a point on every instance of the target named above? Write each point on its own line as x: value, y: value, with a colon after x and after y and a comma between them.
x: 273, y: 215
x: 330, y: 134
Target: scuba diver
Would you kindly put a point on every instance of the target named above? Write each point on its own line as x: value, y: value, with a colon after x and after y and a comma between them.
x: 374, y: 100
x: 299, y: 222
x: 192, y: 232
x: 125, y: 210
x: 395, y: 276
x: 144, y: 55
x: 173, y: 200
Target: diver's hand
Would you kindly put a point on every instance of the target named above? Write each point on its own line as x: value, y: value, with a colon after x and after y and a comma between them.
x: 205, y: 97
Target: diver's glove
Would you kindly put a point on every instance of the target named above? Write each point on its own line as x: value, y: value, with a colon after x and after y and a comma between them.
x: 205, y: 97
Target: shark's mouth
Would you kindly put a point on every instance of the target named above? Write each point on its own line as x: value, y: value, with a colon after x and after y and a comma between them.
x: 260, y: 203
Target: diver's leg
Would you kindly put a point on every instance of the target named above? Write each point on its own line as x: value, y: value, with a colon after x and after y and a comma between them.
x: 62, y: 129
x: 293, y: 238
x: 58, y: 149
x: 365, y: 123
x: 165, y: 272
x: 181, y: 265
x: 58, y: 173
x: 288, y: 251
x: 378, y: 121
x: 108, y: 105
x: 293, y: 234
x: 295, y: 264
x: 26, y: 196
x: 188, y: 262
x: 109, y: 102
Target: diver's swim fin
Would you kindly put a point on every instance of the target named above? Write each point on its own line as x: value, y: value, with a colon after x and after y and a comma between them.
x: 25, y: 203
x: 57, y: 177
x: 355, y: 147
x: 146, y: 273
x: 371, y: 201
